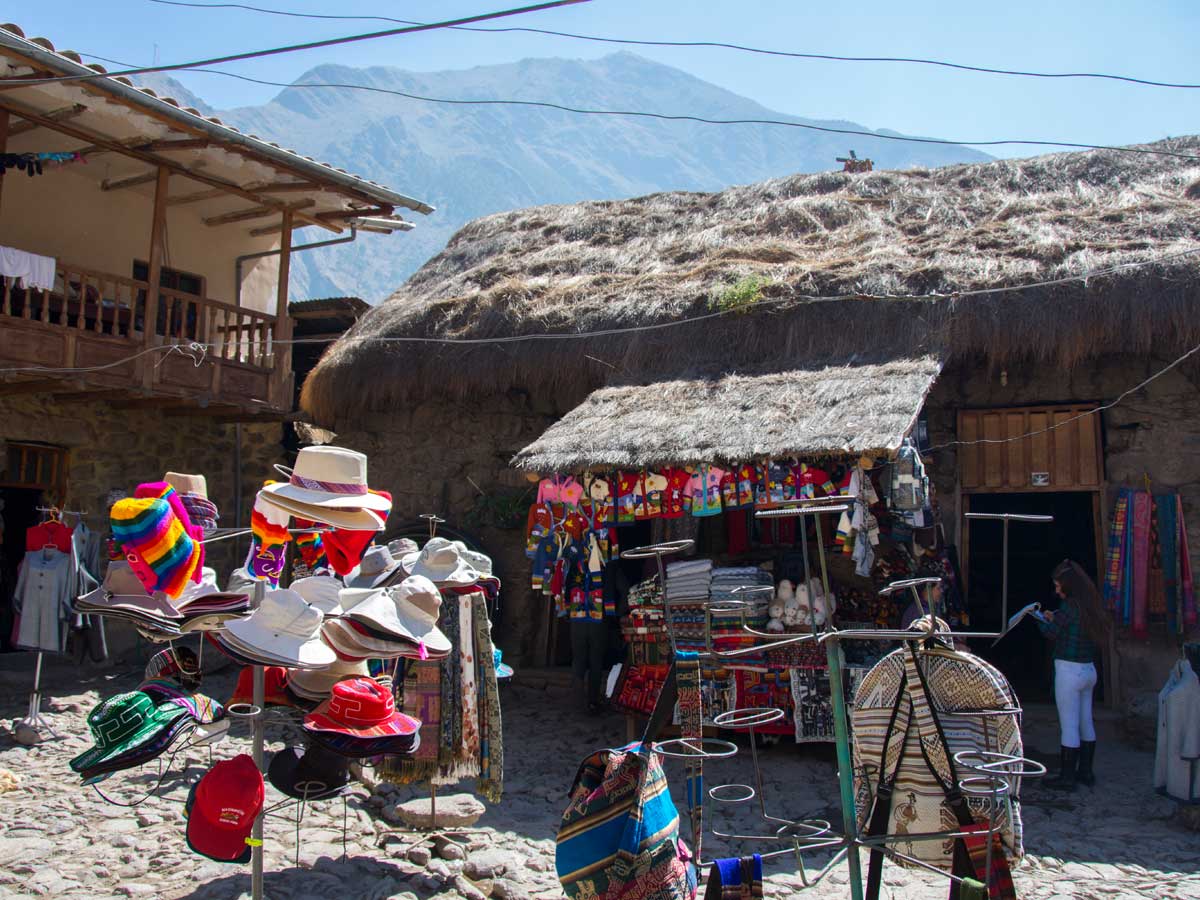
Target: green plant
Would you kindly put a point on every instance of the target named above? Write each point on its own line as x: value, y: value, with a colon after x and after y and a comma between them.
x: 741, y: 295
x: 505, y: 510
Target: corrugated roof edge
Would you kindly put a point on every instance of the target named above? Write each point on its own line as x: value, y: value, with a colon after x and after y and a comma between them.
x: 42, y: 50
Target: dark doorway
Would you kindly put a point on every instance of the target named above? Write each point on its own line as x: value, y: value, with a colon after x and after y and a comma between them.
x: 1033, y: 551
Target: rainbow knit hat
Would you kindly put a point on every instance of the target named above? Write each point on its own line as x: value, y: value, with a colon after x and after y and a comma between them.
x: 159, y: 550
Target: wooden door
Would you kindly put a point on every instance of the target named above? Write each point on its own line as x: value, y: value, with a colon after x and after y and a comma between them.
x: 1030, y: 449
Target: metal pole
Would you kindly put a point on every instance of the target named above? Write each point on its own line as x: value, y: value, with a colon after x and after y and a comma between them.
x: 1004, y: 582
x: 259, y: 727
x: 841, y: 733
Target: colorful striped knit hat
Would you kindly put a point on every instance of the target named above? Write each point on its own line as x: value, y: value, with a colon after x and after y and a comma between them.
x: 164, y: 491
x: 160, y: 551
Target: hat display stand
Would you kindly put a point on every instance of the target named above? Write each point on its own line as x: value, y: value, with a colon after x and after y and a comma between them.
x: 985, y: 773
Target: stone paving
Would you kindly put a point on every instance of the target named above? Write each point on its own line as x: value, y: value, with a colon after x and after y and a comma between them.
x: 57, y: 839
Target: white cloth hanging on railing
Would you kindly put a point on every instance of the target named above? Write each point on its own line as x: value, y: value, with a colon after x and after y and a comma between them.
x: 30, y: 269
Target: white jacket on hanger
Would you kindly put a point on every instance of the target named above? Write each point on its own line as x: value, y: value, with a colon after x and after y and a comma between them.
x: 1177, y: 754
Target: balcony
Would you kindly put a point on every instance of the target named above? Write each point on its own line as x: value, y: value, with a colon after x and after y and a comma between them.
x: 96, y: 322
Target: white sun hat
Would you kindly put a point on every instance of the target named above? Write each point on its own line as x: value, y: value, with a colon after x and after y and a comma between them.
x: 285, y: 627
x: 442, y: 563
x: 321, y: 591
x: 329, y: 477
x: 336, y: 516
x: 408, y: 610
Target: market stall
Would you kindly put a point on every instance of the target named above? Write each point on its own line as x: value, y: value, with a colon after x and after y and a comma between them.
x: 699, y: 459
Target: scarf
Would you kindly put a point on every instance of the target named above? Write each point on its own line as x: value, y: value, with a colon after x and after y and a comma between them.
x: 491, y: 737
x: 467, y: 751
x: 422, y: 699
x: 268, y: 541
x: 1142, y: 505
x: 451, y: 684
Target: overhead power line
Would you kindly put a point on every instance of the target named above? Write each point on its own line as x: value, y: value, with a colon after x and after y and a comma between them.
x: 293, y: 48
x: 684, y: 117
x: 987, y: 70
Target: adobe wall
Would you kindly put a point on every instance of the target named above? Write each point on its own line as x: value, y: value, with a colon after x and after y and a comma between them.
x: 446, y: 458
x: 1154, y: 432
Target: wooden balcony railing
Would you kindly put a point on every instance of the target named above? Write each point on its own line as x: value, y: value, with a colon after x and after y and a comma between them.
x: 107, y: 311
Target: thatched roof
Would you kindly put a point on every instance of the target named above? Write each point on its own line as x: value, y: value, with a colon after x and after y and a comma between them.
x: 731, y: 418
x: 767, y: 248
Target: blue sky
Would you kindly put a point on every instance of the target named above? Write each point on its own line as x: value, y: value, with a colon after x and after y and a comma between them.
x: 1151, y: 39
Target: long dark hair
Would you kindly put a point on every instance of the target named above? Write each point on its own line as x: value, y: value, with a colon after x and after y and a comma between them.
x: 1081, y: 590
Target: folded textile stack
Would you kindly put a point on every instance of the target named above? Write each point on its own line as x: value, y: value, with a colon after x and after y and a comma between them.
x: 646, y: 593
x: 688, y: 579
x: 387, y: 623
x: 360, y: 720
x: 732, y: 584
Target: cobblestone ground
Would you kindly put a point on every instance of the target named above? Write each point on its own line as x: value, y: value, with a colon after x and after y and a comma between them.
x: 60, y: 840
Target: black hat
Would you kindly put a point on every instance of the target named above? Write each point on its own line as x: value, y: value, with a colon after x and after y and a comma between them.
x: 309, y: 773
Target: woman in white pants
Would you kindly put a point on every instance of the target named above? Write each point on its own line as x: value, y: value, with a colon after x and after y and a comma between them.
x: 1079, y: 627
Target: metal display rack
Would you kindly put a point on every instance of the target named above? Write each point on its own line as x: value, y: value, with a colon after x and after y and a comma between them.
x: 988, y: 773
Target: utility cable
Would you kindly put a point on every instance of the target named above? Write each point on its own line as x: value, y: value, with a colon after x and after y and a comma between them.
x: 292, y: 48
x: 988, y: 70
x: 679, y: 117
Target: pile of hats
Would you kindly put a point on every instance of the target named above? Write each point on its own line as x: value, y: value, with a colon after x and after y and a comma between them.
x: 360, y: 720
x: 200, y: 606
x: 285, y: 631
x: 155, y: 532
x: 389, y: 622
x: 315, y: 685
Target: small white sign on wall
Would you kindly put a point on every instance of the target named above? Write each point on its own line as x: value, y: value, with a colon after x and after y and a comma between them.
x: 1041, y: 479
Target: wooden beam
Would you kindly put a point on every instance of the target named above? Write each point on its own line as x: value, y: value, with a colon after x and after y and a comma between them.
x: 223, y: 409
x: 158, y: 231
x: 57, y: 115
x: 257, y: 212
x: 132, y: 181
x: 158, y: 401
x: 272, y: 229
x: 36, y: 386
x: 90, y: 395
x: 283, y: 187
x: 4, y: 126
x: 355, y: 213
x: 178, y: 144
x: 195, y: 197
x: 281, y: 375
x: 146, y: 157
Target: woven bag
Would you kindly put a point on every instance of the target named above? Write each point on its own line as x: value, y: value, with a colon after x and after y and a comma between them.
x: 914, y: 710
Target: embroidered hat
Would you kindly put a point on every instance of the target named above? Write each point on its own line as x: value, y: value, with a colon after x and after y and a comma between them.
x: 180, y: 664
x: 202, y: 708
x: 284, y: 627
x: 320, y: 591
x: 408, y: 611
x: 442, y: 563
x: 158, y: 548
x: 329, y: 477
x: 360, y: 707
x: 376, y: 568
x: 221, y: 810
x: 121, y: 723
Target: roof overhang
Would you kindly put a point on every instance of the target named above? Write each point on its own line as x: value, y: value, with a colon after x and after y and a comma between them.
x: 139, y: 131
x: 853, y: 408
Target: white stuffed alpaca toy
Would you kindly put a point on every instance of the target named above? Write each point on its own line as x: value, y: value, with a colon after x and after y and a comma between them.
x: 795, y: 610
x: 778, y: 606
x: 823, y: 605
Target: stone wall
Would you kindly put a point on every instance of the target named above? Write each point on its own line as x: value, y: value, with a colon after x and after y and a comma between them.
x: 115, y: 449
x: 446, y: 458
x: 1154, y: 432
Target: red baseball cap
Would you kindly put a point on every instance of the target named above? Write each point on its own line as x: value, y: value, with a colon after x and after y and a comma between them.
x: 360, y: 707
x: 222, y: 808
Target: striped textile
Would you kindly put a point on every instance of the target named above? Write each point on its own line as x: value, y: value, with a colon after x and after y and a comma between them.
x: 159, y: 550
x: 619, y: 837
x: 1114, y: 556
x: 958, y: 684
x: 691, y: 725
x: 735, y: 879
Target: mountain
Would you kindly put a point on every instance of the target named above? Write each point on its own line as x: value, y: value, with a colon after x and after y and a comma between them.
x: 472, y: 160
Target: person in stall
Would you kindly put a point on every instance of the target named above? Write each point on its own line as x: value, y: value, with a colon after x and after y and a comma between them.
x: 1078, y: 628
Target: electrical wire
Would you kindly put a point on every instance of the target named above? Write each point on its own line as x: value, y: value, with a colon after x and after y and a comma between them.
x: 293, y: 48
x: 678, y: 117
x: 988, y: 70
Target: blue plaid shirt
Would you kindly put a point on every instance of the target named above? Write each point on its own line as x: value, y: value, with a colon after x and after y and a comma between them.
x: 1070, y: 640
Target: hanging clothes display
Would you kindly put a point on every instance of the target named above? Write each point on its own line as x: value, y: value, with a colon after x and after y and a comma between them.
x: 52, y: 574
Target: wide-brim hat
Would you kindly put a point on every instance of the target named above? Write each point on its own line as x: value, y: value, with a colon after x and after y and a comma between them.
x: 321, y: 591
x: 391, y: 611
x: 367, y: 748
x: 158, y: 744
x: 144, y: 719
x: 187, y: 484
x: 352, y: 645
x: 284, y: 628
x: 331, y: 477
x: 321, y: 681
x: 350, y: 519
x: 201, y: 707
x: 361, y: 707
x: 275, y: 679
x: 312, y: 773
x: 442, y: 563
x: 208, y: 622
x: 376, y: 569
x: 480, y: 562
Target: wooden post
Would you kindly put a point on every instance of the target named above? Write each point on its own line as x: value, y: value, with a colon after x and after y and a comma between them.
x: 3, y: 146
x: 154, y: 273
x: 282, y: 373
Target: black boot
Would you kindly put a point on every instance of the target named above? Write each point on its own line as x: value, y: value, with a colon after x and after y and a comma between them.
x: 1065, y: 779
x: 1087, y: 755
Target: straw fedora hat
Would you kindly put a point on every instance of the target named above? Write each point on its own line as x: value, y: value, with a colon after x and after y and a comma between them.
x: 187, y: 484
x: 337, y: 517
x: 330, y: 477
x: 441, y: 562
